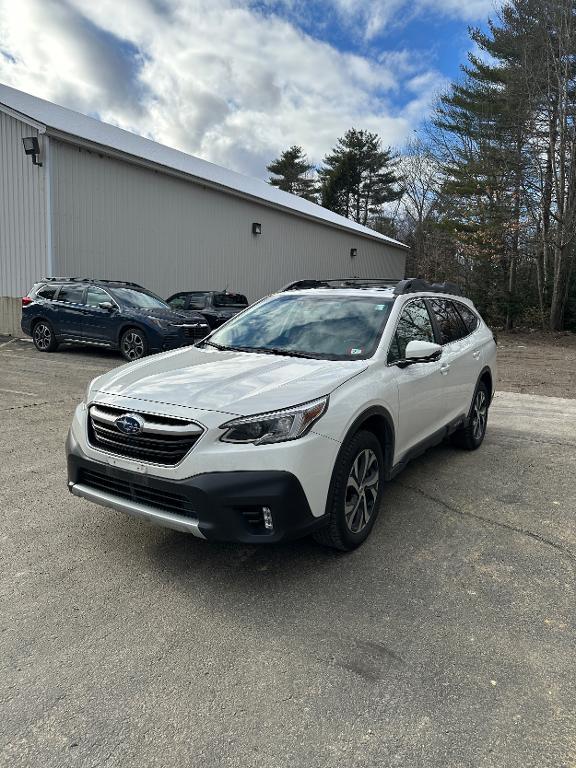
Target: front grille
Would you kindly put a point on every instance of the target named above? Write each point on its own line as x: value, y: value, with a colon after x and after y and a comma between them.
x: 163, y: 439
x: 195, y: 332
x: 136, y: 492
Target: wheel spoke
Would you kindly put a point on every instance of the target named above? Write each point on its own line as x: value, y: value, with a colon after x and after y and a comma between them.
x: 353, y: 484
x: 365, y: 512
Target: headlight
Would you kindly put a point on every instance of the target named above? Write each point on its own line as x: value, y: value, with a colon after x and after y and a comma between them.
x: 276, y: 427
x: 163, y: 324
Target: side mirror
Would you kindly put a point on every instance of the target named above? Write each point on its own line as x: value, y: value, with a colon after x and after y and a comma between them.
x: 106, y: 305
x: 422, y: 352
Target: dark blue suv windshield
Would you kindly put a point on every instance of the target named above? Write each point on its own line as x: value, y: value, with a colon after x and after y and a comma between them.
x: 138, y: 299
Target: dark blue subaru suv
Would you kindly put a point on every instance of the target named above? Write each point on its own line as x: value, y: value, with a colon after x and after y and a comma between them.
x: 106, y: 313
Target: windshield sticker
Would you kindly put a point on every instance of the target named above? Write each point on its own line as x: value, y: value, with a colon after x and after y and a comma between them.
x: 355, y: 351
x: 379, y: 307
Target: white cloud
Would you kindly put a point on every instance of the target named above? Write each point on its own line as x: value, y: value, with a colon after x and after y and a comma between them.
x: 376, y: 16
x: 211, y: 77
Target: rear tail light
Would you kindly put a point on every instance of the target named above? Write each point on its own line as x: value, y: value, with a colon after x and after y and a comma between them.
x: 26, y: 300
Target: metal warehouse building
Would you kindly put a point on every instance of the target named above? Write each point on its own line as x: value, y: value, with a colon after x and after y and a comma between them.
x: 97, y: 201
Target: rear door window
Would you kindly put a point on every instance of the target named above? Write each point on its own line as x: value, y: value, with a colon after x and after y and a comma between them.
x: 71, y: 294
x: 450, y: 326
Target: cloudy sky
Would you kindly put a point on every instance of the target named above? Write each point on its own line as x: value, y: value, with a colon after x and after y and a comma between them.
x: 236, y: 81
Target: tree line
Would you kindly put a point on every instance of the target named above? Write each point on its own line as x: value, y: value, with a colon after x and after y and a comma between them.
x: 485, y: 193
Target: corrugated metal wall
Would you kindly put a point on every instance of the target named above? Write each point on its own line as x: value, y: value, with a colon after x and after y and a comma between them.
x: 23, y: 251
x: 116, y: 220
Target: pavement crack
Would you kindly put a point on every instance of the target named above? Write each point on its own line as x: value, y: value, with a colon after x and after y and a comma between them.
x: 35, y: 405
x: 497, y: 523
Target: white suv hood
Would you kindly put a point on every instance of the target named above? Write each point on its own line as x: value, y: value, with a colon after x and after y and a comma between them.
x: 239, y: 383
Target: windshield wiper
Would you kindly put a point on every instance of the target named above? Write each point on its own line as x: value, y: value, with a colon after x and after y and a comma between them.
x: 273, y: 351
x: 216, y: 346
x: 262, y: 350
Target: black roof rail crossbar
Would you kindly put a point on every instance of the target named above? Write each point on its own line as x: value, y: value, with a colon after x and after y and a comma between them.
x: 89, y: 280
x: 342, y: 282
x: 417, y: 285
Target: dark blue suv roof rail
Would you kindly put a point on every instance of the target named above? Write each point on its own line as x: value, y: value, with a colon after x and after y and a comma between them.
x: 88, y: 280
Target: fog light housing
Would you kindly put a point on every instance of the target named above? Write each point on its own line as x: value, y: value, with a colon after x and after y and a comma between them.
x: 267, y: 517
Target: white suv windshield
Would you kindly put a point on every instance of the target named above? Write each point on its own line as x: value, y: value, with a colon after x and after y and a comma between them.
x: 331, y: 327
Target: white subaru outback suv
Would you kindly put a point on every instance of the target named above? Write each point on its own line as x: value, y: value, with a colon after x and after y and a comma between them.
x: 289, y: 419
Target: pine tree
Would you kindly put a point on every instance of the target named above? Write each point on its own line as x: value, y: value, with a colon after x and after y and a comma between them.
x: 293, y: 173
x: 509, y: 139
x: 359, y: 177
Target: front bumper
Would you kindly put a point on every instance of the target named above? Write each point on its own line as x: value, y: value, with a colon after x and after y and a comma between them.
x: 220, y: 506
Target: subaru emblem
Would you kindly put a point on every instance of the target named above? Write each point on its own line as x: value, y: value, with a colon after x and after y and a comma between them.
x: 130, y: 423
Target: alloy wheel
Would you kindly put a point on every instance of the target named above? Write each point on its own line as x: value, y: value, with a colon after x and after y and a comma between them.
x: 133, y: 346
x: 479, y: 415
x: 42, y: 336
x: 361, y: 490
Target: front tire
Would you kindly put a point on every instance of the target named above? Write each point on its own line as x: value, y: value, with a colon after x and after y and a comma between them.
x: 44, y: 337
x: 133, y: 344
x: 355, y: 493
x: 472, y: 434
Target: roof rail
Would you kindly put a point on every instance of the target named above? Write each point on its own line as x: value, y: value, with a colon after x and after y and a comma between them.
x: 417, y: 285
x: 342, y: 282
x: 68, y: 279
x: 63, y: 278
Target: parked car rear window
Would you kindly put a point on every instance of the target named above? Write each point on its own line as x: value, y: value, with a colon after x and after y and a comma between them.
x: 230, y: 300
x: 331, y: 328
x: 47, y: 292
x: 469, y: 318
x: 451, y: 326
x: 71, y: 294
x: 138, y: 299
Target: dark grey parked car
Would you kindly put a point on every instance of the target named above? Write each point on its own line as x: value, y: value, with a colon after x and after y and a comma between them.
x: 216, y: 306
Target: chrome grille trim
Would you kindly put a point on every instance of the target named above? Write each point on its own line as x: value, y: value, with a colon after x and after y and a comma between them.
x: 154, y: 424
x: 164, y: 439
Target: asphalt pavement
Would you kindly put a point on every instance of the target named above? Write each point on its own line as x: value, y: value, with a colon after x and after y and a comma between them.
x: 447, y: 640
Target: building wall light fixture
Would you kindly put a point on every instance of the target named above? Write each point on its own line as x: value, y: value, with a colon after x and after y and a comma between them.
x: 32, y: 147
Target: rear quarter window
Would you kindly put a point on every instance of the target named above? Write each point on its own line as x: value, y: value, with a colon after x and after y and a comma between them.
x: 449, y: 323
x: 47, y: 292
x: 469, y: 319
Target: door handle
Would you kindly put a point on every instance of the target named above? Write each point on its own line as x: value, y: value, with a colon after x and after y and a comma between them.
x: 444, y: 369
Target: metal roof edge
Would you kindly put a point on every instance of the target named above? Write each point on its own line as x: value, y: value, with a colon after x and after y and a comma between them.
x: 23, y: 118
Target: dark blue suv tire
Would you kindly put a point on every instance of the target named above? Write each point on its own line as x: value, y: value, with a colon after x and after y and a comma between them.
x: 44, y: 337
x: 133, y: 344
